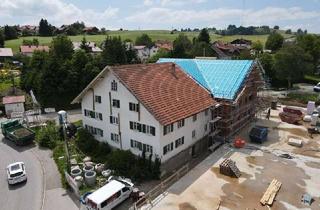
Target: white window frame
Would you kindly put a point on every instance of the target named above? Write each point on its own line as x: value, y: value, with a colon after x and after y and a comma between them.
x: 180, y: 123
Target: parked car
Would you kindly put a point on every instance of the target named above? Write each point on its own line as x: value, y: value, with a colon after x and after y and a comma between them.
x: 16, y: 173
x: 316, y: 88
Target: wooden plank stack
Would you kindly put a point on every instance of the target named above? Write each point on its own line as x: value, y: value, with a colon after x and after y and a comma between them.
x: 271, y: 192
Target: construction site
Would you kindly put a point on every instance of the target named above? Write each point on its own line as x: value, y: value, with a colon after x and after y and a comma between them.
x: 277, y: 173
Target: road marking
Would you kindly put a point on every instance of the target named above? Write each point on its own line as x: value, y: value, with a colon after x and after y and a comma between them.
x: 43, y: 179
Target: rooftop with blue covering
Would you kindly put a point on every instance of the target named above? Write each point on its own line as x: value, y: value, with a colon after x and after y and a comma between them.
x: 223, y: 78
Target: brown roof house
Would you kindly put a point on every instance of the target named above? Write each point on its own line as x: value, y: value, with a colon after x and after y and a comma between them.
x: 155, y: 108
x: 29, y: 49
x: 13, y: 104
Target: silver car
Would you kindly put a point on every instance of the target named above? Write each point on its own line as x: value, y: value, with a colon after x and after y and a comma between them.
x: 16, y: 173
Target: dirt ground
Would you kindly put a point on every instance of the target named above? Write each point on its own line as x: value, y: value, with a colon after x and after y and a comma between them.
x: 205, y: 188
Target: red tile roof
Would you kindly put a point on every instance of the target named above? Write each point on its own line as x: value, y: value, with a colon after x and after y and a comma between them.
x: 13, y: 99
x: 170, y: 95
x: 32, y: 48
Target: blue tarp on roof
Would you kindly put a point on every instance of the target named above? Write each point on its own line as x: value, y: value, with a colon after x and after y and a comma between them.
x: 223, y: 78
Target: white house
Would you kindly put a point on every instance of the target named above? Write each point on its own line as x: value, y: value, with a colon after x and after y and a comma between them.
x: 13, y: 104
x: 152, y: 107
x: 94, y: 49
x: 144, y: 52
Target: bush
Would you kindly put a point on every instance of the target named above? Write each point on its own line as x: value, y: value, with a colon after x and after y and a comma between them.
x: 90, y: 146
x: 304, y: 98
x: 59, y: 151
x: 48, y: 136
x: 124, y: 163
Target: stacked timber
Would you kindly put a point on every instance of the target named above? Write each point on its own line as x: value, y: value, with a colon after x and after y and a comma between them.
x: 271, y: 192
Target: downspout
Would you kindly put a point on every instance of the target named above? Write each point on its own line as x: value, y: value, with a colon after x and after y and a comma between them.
x: 119, y: 131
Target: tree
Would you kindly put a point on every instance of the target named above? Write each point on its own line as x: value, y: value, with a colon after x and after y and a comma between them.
x: 114, y: 51
x: 1, y: 38
x: 84, y: 45
x: 288, y: 31
x: 10, y: 32
x: 202, y: 49
x: 257, y: 46
x: 131, y: 55
x: 276, y: 27
x: 292, y: 63
x: 182, y: 47
x: 274, y: 41
x: 311, y: 44
x: 45, y: 29
x: 61, y: 47
x: 300, y: 32
x: 34, y: 41
x: 160, y: 54
x: 267, y: 63
x: 204, y: 36
x: 144, y: 39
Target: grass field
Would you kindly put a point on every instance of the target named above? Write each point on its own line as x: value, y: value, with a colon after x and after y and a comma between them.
x: 154, y: 34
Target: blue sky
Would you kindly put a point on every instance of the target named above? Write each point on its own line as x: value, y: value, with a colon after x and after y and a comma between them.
x: 165, y: 14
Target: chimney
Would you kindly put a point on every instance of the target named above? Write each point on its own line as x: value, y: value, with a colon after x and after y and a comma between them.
x: 173, y: 70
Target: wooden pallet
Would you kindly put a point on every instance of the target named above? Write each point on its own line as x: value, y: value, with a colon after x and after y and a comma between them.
x: 271, y: 192
x: 229, y: 168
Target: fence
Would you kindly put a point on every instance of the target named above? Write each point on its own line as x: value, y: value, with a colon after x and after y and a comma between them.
x: 148, y: 200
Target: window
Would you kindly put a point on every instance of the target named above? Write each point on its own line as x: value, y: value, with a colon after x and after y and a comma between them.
x: 116, y: 103
x: 193, y: 133
x: 205, y: 127
x: 114, y: 120
x: 194, y: 117
x: 167, y: 148
x: 94, y: 131
x: 140, y: 146
x: 98, y: 99
x: 148, y: 129
x: 114, y: 85
x: 180, y: 123
x: 134, y: 107
x: 179, y: 141
x: 167, y: 129
x: 92, y: 114
x: 206, y: 112
x: 115, y: 137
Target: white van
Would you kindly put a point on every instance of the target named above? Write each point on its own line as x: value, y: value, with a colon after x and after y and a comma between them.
x: 109, y: 196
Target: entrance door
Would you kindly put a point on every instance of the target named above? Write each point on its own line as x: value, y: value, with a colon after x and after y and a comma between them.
x: 193, y: 151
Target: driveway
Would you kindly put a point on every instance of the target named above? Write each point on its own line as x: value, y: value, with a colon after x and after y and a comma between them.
x: 43, y: 190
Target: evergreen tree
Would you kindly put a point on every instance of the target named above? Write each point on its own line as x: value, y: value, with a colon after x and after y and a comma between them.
x: 45, y: 29
x: 84, y: 45
x: 144, y: 39
x: 1, y: 38
x: 204, y: 36
x: 274, y: 41
x: 61, y: 47
x: 182, y: 47
x: 114, y: 51
x: 10, y: 32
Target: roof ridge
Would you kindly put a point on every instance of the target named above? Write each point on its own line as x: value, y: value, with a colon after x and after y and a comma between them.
x: 204, y: 78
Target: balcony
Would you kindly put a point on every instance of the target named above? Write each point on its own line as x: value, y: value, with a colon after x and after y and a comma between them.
x: 215, y: 119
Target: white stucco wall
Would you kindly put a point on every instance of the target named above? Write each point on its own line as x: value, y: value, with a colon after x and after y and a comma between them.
x: 186, y: 131
x: 17, y: 107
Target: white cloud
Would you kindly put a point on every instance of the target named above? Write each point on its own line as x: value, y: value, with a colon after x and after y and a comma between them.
x: 57, y: 12
x: 269, y: 15
x: 148, y: 2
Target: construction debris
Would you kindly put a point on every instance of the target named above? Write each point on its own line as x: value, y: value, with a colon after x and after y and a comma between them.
x: 306, y: 199
x: 271, y: 192
x: 295, y: 142
x: 285, y: 155
x: 228, y: 167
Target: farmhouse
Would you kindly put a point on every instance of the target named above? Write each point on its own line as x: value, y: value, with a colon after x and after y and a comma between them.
x: 174, y: 109
x: 233, y: 84
x: 241, y: 43
x: 13, y: 104
x: 144, y: 52
x: 155, y: 108
x: 28, y: 50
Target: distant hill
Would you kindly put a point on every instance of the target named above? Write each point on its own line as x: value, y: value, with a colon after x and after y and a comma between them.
x: 154, y: 34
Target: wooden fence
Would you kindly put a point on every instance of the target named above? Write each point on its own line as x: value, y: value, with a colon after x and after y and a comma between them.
x: 148, y: 200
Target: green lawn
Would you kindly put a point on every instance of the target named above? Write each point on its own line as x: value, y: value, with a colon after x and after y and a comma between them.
x: 154, y: 34
x: 6, y: 84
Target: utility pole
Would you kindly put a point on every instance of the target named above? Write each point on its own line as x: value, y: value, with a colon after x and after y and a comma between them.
x: 62, y: 115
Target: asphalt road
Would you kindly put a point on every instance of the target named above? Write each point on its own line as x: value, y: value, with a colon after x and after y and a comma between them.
x: 23, y: 196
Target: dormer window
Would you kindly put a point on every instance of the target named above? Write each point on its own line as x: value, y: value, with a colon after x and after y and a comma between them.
x: 114, y: 85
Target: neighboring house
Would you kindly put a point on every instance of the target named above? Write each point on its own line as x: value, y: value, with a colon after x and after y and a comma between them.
x: 225, y: 50
x: 91, y: 30
x: 29, y: 49
x: 144, y: 52
x: 164, y: 44
x: 94, y: 49
x: 28, y: 29
x: 241, y: 43
x: 13, y: 104
x: 5, y: 53
x: 233, y: 83
x: 155, y: 108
